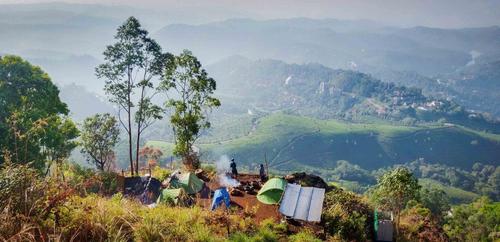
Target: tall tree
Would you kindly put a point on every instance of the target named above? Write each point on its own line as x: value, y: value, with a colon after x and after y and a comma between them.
x: 99, y: 136
x: 131, y: 64
x: 394, y: 189
x: 191, y: 102
x: 29, y: 103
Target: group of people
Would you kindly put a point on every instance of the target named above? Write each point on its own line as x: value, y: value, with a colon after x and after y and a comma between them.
x: 262, y: 171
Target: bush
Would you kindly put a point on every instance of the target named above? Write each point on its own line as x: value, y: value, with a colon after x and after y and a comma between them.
x: 161, y: 173
x: 417, y: 224
x: 17, y: 183
x: 87, y: 180
x: 267, y: 231
x: 304, y: 236
x: 347, y: 215
x: 477, y: 221
x: 20, y: 191
x: 27, y: 202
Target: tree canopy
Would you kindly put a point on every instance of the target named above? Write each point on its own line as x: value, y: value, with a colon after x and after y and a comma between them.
x: 31, y: 127
x: 191, y: 102
x: 100, y: 133
x: 395, y: 189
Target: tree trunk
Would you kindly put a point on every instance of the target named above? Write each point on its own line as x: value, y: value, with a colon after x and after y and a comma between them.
x: 137, y: 150
x: 130, y: 128
x: 130, y: 147
x: 139, y: 124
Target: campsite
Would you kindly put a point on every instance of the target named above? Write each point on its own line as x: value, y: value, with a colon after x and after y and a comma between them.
x: 295, y: 200
x: 187, y: 189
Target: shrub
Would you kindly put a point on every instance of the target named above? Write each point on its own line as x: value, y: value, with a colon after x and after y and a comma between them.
x: 239, y: 237
x: 17, y: 185
x: 19, y: 198
x: 267, y: 231
x: 418, y: 224
x: 477, y: 221
x: 304, y: 236
x: 347, y: 215
x: 161, y: 173
x: 87, y: 180
x: 27, y: 201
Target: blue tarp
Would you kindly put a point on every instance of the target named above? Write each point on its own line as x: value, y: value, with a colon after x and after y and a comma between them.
x: 220, y: 195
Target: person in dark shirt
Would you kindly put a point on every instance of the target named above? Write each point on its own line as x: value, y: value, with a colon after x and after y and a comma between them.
x: 262, y: 173
x: 234, y: 171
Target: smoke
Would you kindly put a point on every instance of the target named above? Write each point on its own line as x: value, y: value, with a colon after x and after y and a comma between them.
x: 227, y: 181
x: 222, y: 166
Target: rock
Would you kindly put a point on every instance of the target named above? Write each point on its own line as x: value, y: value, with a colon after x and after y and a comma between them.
x: 256, y: 185
x: 252, y: 192
x: 307, y: 180
x: 202, y: 175
x: 236, y: 193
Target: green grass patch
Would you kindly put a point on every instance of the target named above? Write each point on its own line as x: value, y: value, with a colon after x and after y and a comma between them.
x: 456, y: 195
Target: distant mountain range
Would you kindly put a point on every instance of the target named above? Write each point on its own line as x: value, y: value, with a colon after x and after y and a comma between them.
x: 460, y: 65
x: 339, y: 44
x: 318, y: 91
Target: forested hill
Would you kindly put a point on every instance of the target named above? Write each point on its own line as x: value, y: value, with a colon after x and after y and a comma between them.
x: 318, y: 91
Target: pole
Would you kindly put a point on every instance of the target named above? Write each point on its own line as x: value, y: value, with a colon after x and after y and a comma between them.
x: 267, y: 165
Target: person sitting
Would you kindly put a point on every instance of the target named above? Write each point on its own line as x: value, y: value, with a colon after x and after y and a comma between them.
x: 234, y: 171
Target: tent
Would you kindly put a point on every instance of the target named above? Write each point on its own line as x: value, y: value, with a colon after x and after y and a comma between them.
x: 304, y: 203
x: 171, y: 196
x: 146, y: 188
x: 271, y: 192
x: 188, y: 181
x: 220, y: 195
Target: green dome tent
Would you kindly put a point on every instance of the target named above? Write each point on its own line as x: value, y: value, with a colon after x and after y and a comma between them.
x: 272, y: 190
x: 188, y: 181
x: 171, y: 196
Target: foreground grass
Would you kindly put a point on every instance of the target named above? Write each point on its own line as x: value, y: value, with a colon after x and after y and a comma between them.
x: 98, y: 218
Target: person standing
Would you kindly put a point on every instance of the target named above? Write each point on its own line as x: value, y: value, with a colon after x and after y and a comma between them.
x: 262, y: 173
x: 234, y: 171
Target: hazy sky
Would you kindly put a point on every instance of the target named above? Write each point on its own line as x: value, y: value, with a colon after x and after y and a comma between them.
x: 435, y: 13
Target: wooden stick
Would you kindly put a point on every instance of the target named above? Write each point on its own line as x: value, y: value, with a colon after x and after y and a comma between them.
x: 267, y: 165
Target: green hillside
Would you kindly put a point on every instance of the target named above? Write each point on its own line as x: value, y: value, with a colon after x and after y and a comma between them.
x: 456, y: 195
x: 294, y: 143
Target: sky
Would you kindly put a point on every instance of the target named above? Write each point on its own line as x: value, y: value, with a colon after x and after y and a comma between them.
x: 432, y: 13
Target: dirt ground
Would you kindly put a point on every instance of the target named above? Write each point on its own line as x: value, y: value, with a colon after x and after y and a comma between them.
x: 247, y: 202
